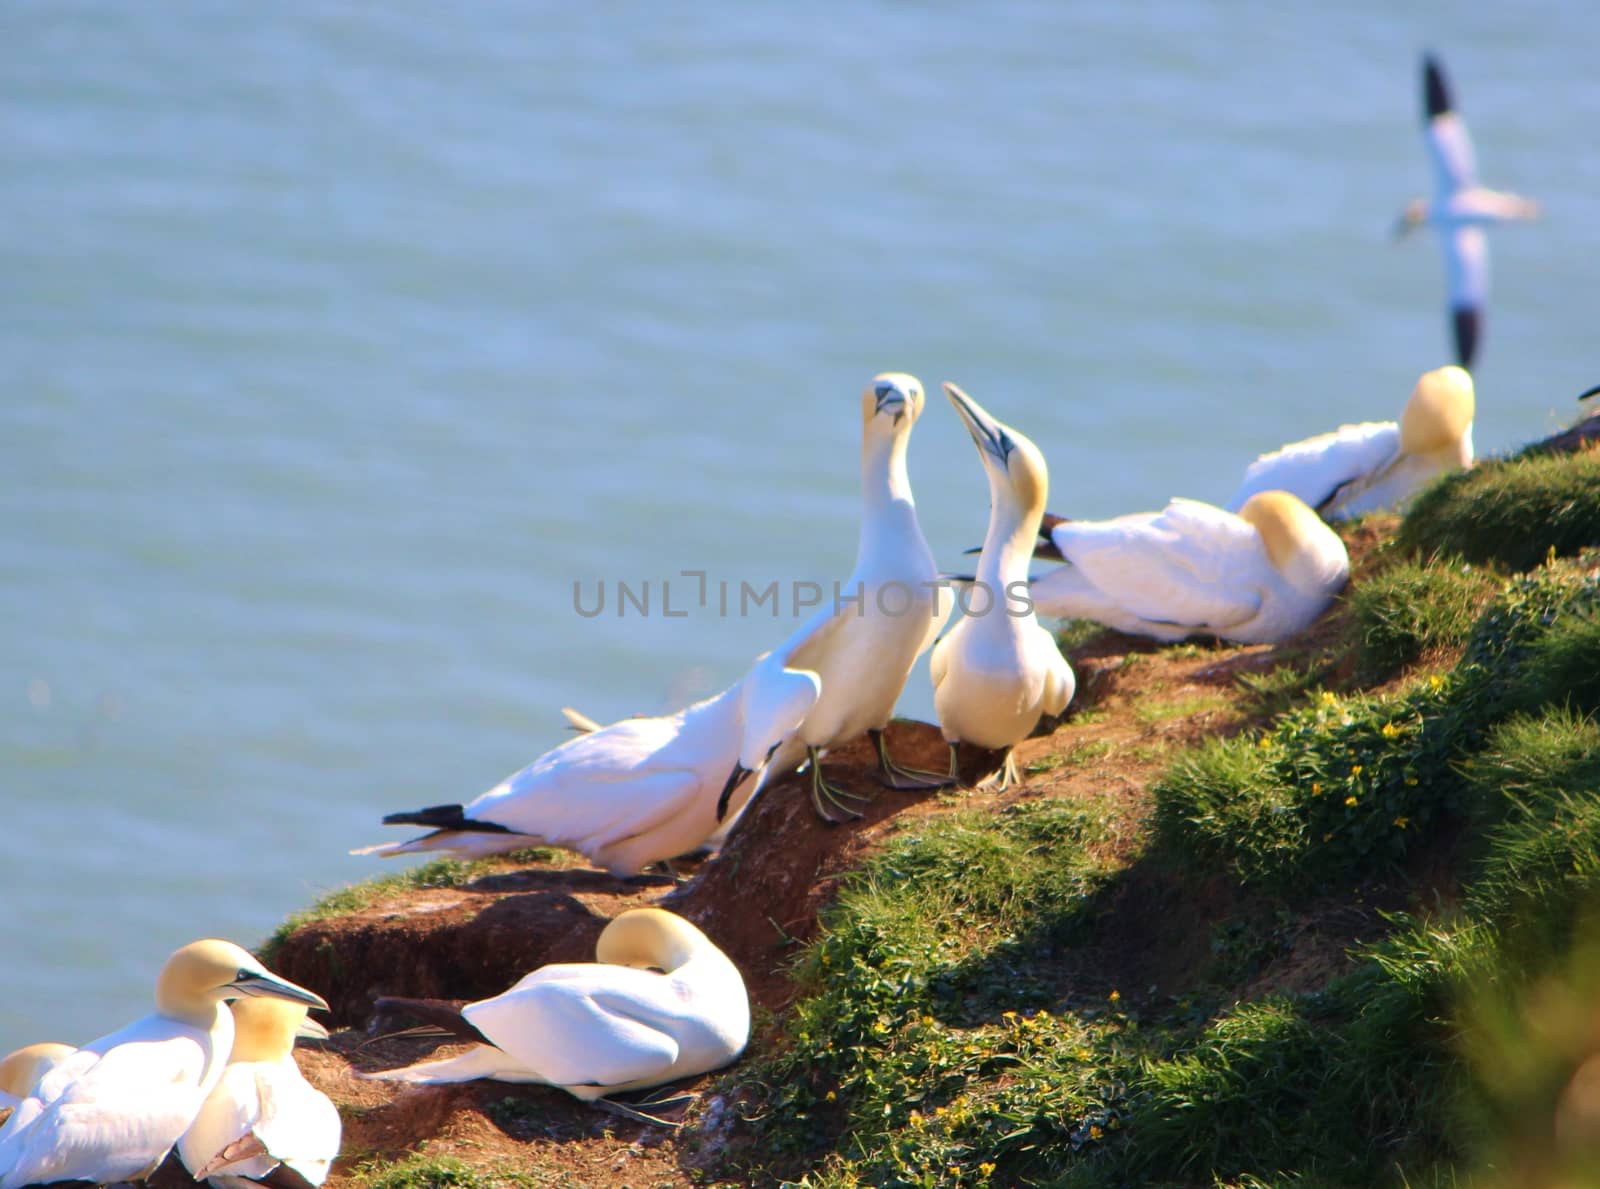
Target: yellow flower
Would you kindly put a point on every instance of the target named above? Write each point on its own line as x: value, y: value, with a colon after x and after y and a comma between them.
x: 1095, y: 1132
x: 1264, y: 741
x: 1411, y: 782
x: 1350, y: 800
x: 1316, y: 788
x: 1355, y: 770
x: 916, y: 1119
x: 1082, y: 1054
x: 1329, y: 697
x: 986, y: 1169
x: 1010, y: 1015
x: 1390, y: 731
x: 1435, y: 681
x: 1402, y: 821
x: 955, y: 1170
x: 940, y: 1112
x: 832, y: 1095
x: 1114, y: 996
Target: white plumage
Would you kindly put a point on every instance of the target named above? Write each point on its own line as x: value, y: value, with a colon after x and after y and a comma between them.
x: 1376, y: 465
x: 112, y: 1110
x: 660, y: 1002
x: 997, y: 671
x: 262, y: 1114
x: 21, y: 1069
x: 1256, y: 577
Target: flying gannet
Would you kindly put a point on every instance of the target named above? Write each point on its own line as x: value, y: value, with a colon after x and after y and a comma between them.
x: 862, y: 650
x: 112, y: 1110
x: 637, y: 792
x: 1257, y: 576
x: 1376, y: 465
x: 1460, y: 210
x: 996, y: 672
x: 263, y: 1117
x: 658, y: 1003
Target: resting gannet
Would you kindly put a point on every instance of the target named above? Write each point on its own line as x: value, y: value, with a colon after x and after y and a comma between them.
x: 1257, y: 577
x: 1460, y: 211
x: 263, y: 1116
x: 995, y: 673
x: 113, y: 1109
x: 1377, y: 465
x: 862, y: 651
x: 20, y: 1070
x: 637, y: 792
x: 659, y: 1002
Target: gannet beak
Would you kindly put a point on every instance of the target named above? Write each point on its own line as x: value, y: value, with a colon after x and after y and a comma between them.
x: 889, y: 399
x: 735, y: 779
x: 261, y: 984
x: 311, y: 1030
x: 1595, y: 391
x: 991, y: 439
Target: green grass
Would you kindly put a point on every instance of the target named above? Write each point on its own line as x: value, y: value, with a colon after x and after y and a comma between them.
x: 1514, y: 512
x: 1414, y: 608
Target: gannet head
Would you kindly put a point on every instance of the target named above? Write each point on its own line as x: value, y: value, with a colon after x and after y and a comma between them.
x: 1439, y: 411
x: 773, y: 702
x: 891, y: 404
x: 21, y: 1070
x: 1414, y: 216
x: 649, y: 939
x: 1013, y: 462
x: 204, y: 973
x: 1305, y: 551
x: 265, y: 1029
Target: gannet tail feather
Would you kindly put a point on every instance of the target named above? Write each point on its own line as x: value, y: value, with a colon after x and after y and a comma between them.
x: 437, y: 1012
x: 445, y: 817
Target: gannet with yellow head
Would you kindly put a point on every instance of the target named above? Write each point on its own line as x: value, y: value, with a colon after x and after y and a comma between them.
x: 659, y: 1002
x: 637, y: 792
x: 1258, y: 576
x: 1377, y: 465
x: 112, y: 1110
x: 1460, y: 210
x: 862, y: 650
x: 21, y: 1069
x: 996, y: 672
x: 263, y: 1116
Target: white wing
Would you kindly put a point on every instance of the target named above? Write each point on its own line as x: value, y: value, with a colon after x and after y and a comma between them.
x: 1466, y: 262
x: 1315, y: 468
x: 600, y: 1025
x: 1455, y: 165
x: 298, y: 1125
x: 1191, y: 563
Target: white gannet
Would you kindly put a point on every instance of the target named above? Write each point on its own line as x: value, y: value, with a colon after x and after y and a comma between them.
x: 862, y: 650
x: 637, y: 792
x: 660, y: 1002
x: 22, y: 1068
x: 113, y: 1109
x: 996, y: 672
x: 1460, y: 210
x: 1257, y: 576
x: 1376, y: 465
x: 263, y: 1116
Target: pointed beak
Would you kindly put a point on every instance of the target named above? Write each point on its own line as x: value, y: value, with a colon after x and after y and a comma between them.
x: 1595, y: 391
x: 261, y: 984
x: 991, y: 438
x: 310, y: 1030
x: 735, y: 779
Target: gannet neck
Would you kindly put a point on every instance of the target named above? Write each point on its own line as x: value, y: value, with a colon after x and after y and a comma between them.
x: 264, y: 1029
x: 649, y: 938
x: 888, y: 511
x: 1012, y: 534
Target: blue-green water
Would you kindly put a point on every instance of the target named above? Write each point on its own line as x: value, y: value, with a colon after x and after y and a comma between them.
x: 341, y: 340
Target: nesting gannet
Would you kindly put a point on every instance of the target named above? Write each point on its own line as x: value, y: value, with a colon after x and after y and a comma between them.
x: 862, y: 650
x: 995, y: 673
x: 1376, y: 465
x: 262, y: 1115
x: 112, y: 1110
x: 660, y: 1002
x: 1257, y: 576
x: 1460, y: 210
x: 637, y: 792
x: 21, y: 1069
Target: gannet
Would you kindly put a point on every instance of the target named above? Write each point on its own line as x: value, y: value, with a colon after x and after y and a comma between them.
x: 113, y: 1109
x: 262, y: 1115
x: 637, y: 792
x: 658, y: 1003
x: 1256, y: 577
x: 996, y: 672
x: 1376, y: 465
x: 862, y: 651
x: 21, y: 1069
x: 1459, y: 211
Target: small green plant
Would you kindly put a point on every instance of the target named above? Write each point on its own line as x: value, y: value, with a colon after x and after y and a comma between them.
x: 1414, y: 608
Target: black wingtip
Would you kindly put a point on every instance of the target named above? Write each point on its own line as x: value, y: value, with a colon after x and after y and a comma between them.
x: 444, y: 817
x: 1435, y: 95
x: 436, y: 1012
x: 1595, y: 391
x: 1468, y: 324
